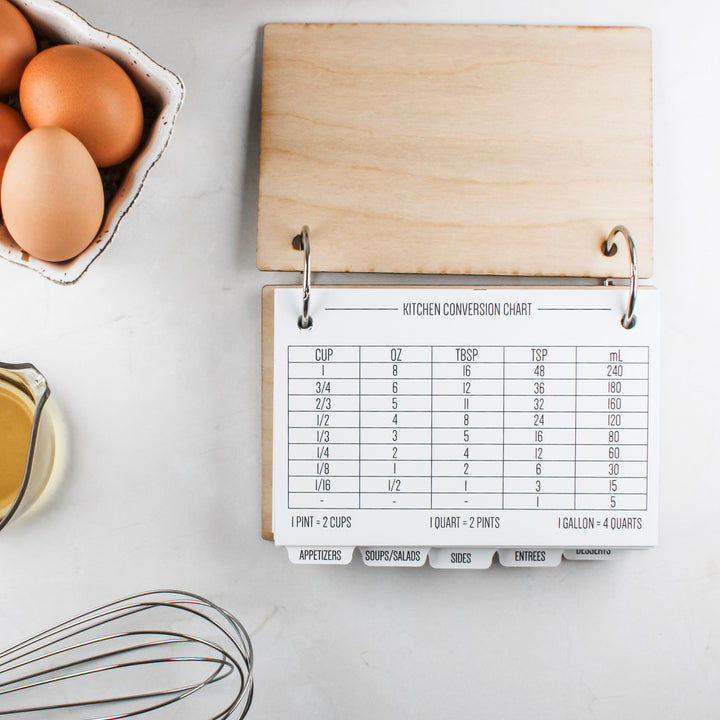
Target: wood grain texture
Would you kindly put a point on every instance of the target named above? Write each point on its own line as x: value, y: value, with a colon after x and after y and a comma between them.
x: 268, y: 364
x: 455, y: 149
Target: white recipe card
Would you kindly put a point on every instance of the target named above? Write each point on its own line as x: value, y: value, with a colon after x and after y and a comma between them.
x: 464, y: 418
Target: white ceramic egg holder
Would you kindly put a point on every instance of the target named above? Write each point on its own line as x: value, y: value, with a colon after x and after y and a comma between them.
x: 164, y: 89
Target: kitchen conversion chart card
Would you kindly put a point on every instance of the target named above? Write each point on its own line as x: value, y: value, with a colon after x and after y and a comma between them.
x: 462, y: 419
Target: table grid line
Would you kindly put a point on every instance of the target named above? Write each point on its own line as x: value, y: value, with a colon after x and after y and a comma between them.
x: 575, y: 443
x: 502, y: 497
x: 360, y: 397
x: 432, y: 416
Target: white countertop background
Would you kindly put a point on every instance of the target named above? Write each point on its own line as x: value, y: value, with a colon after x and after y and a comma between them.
x: 154, y: 358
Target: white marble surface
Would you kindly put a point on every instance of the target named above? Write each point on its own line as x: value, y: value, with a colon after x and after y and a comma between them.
x: 154, y: 357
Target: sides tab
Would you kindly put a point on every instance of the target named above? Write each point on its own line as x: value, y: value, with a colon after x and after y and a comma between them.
x: 461, y: 558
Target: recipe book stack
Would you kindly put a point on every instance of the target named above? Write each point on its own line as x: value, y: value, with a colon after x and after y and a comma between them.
x: 452, y: 419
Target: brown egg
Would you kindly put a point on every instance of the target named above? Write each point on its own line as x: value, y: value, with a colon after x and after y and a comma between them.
x: 12, y: 128
x: 51, y: 195
x: 17, y: 46
x: 88, y: 94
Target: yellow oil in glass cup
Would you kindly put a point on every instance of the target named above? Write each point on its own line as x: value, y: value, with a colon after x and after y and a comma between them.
x: 28, y: 443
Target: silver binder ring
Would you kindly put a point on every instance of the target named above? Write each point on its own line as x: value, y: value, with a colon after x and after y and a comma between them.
x: 609, y: 248
x: 302, y: 242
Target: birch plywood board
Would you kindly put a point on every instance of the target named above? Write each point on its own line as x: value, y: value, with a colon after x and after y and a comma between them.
x: 455, y: 149
x: 268, y: 353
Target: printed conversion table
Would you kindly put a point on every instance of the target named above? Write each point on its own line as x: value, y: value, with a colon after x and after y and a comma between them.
x: 501, y: 427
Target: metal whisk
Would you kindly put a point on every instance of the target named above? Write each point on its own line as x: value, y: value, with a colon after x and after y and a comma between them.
x: 168, y: 652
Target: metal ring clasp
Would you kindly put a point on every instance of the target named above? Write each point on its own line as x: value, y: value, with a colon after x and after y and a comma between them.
x: 302, y: 242
x: 609, y: 248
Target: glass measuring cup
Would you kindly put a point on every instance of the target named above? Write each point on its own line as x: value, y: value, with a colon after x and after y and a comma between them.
x: 27, y: 438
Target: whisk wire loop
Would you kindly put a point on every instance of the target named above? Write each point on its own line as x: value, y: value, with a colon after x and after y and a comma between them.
x: 70, y: 655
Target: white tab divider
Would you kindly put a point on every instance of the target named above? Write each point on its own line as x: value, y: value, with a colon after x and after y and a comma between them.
x: 591, y: 554
x: 461, y: 558
x: 394, y: 556
x: 314, y: 555
x: 531, y: 557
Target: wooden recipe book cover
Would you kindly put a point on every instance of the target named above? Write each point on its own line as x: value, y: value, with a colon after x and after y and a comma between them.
x: 455, y: 149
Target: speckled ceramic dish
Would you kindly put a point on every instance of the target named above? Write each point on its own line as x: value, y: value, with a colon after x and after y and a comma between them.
x: 161, y: 93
